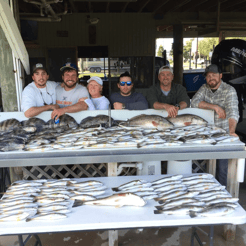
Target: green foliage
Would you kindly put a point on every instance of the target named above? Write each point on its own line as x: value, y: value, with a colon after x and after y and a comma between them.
x: 160, y: 50
x: 207, y: 44
x: 186, y: 49
x: 236, y: 38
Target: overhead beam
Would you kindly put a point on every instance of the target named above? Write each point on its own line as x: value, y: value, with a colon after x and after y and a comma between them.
x: 232, y: 4
x: 177, y: 6
x: 162, y: 4
x: 73, y: 6
x: 193, y: 5
x: 143, y: 6
x: 124, y: 8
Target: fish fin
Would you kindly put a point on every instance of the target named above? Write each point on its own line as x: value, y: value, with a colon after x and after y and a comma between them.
x: 192, y: 214
x: 155, y: 123
x: 115, y: 189
x: 77, y: 203
x: 158, y: 212
x: 187, y: 123
x: 159, y: 207
x: 161, y: 201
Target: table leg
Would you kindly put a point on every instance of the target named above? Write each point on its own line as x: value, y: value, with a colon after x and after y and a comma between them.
x: 112, y: 234
x: 21, y: 243
x: 211, y: 168
x: 211, y: 236
x: 233, y: 189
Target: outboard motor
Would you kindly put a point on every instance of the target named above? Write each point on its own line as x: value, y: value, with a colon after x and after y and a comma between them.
x: 230, y: 56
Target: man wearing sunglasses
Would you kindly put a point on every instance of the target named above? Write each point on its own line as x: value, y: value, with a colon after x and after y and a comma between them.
x: 40, y: 95
x: 167, y: 95
x: 126, y: 98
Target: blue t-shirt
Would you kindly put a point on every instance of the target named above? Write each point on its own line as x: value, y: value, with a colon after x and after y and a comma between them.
x: 135, y: 101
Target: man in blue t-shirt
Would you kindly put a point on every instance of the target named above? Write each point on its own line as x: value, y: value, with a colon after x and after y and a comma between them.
x: 126, y: 98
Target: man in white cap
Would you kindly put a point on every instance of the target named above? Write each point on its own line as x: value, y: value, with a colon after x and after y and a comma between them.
x: 167, y: 95
x: 96, y: 100
x: 222, y: 98
x: 67, y: 97
x: 40, y: 95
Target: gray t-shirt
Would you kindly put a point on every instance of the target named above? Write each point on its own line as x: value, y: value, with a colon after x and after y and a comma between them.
x: 69, y: 98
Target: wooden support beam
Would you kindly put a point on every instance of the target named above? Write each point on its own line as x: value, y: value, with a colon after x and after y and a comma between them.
x: 112, y: 234
x: 141, y: 9
x: 159, y: 6
x: 233, y: 189
x: 178, y: 53
x: 211, y: 167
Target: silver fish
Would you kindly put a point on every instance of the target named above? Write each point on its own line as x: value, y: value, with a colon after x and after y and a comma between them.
x: 226, y: 199
x: 47, y: 217
x: 14, y: 217
x: 180, y: 210
x: 129, y: 184
x: 170, y: 178
x: 118, y: 200
x: 213, y: 212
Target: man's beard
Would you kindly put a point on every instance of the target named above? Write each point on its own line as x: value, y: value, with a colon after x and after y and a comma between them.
x: 212, y: 86
x: 70, y: 85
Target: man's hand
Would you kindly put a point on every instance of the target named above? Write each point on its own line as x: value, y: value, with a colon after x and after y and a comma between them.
x: 220, y: 111
x: 118, y: 105
x: 83, y: 99
x: 172, y: 110
x: 57, y: 113
x: 233, y: 134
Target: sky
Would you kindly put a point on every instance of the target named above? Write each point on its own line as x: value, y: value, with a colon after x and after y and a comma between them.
x: 167, y: 43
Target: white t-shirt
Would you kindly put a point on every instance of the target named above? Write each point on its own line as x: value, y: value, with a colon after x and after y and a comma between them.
x: 37, y: 97
x: 67, y: 98
x: 100, y: 103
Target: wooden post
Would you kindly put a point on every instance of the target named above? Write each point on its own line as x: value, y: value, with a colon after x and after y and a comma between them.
x: 112, y: 234
x: 178, y: 53
x: 8, y: 88
x: 233, y: 189
x: 211, y: 167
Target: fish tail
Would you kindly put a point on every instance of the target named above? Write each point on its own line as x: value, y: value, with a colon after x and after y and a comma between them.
x: 77, y: 203
x: 115, y: 189
x: 161, y: 201
x: 192, y: 214
x: 159, y: 207
x: 157, y: 199
x: 28, y: 219
x: 158, y: 212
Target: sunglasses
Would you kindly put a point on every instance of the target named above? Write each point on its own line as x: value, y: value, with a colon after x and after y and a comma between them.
x: 122, y: 83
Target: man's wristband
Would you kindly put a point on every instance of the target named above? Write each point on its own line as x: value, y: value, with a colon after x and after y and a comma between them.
x: 177, y: 105
x: 123, y: 106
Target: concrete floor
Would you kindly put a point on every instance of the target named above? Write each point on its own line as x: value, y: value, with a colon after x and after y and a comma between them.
x: 147, y: 237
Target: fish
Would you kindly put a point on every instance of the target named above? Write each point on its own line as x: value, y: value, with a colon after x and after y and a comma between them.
x: 186, y: 120
x: 200, y: 176
x: 180, y: 210
x: 91, y: 193
x: 12, y: 144
x: 51, y: 208
x: 210, y: 193
x: 66, y: 121
x: 14, y: 217
x: 166, y: 179
x: 47, y: 217
x: 213, y: 211
x: 149, y: 121
x: 129, y: 184
x: 210, y: 198
x: 149, y: 197
x: 170, y: 195
x: 38, y: 123
x: 30, y: 211
x: 178, y: 202
x: 225, y: 199
x: 9, y: 124
x: 83, y: 197
x: 99, y: 120
x: 118, y: 200
x: 185, y: 195
x: 172, y: 182
x: 85, y: 183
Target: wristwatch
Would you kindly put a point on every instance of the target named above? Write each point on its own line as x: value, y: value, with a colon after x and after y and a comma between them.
x: 123, y: 106
x: 177, y: 105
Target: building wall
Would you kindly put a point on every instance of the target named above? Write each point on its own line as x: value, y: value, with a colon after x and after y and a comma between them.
x: 124, y: 34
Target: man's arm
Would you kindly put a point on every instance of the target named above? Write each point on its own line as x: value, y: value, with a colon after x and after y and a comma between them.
x: 33, y: 111
x: 232, y: 127
x: 79, y: 106
x: 220, y: 111
x: 172, y: 110
x: 182, y: 97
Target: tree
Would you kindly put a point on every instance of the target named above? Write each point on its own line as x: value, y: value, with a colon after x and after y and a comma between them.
x: 206, y: 45
x: 186, y: 49
x: 160, y: 50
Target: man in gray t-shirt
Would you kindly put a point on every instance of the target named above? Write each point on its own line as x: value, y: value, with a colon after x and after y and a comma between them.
x: 67, y: 97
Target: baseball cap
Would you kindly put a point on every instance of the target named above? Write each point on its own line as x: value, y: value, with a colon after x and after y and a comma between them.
x: 213, y: 68
x: 97, y: 79
x: 165, y: 68
x: 38, y: 66
x: 69, y: 65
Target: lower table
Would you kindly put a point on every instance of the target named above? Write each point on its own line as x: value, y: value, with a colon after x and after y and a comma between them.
x: 111, y: 218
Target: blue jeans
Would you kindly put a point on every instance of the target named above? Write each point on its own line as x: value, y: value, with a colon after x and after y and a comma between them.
x: 221, y: 171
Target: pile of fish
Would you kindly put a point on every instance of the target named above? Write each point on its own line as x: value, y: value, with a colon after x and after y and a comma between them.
x: 197, y: 195
x: 142, y: 131
x: 46, y: 199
